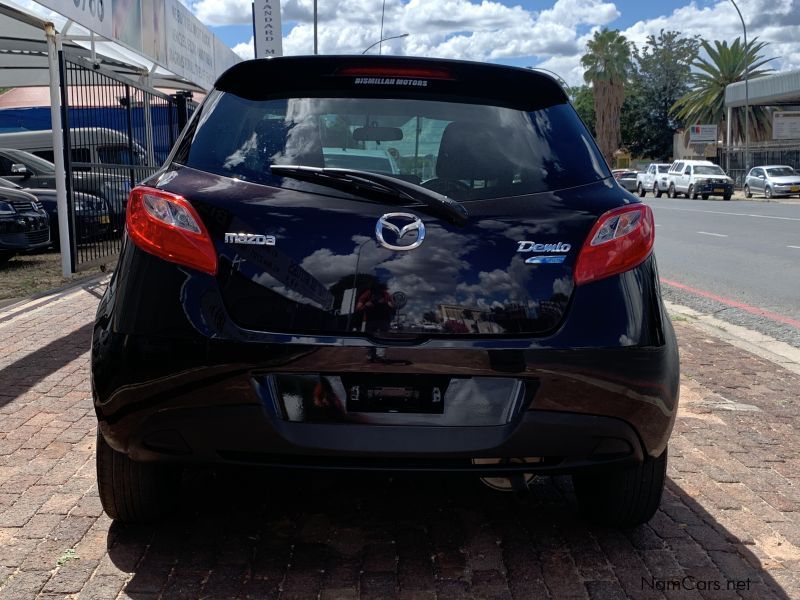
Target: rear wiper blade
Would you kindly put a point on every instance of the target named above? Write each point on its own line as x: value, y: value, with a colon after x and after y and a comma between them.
x: 377, y: 187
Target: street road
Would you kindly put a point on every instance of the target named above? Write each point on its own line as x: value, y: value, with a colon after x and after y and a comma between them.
x: 739, y: 259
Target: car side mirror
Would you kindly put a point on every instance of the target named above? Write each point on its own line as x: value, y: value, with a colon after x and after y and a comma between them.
x: 20, y: 169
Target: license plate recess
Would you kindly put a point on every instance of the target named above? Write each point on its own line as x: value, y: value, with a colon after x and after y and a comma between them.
x: 395, y: 393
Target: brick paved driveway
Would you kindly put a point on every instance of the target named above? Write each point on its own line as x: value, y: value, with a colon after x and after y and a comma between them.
x: 730, y: 512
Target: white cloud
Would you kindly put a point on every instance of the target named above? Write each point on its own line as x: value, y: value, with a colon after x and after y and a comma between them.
x: 773, y: 21
x: 224, y: 12
x: 245, y: 49
x: 490, y: 30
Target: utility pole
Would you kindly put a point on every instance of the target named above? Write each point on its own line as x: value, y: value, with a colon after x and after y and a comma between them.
x: 316, y: 46
x: 380, y: 44
x: 746, y: 94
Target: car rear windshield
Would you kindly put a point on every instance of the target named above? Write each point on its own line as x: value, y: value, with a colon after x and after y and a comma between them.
x: 474, y: 150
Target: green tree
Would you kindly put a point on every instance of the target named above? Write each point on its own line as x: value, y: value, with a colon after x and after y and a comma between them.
x: 583, y: 101
x: 705, y: 100
x: 661, y: 77
x: 608, y: 64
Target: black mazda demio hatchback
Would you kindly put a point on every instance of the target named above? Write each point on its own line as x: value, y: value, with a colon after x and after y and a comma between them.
x: 386, y: 263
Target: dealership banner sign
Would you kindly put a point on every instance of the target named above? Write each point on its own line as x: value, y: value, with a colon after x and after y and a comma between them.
x: 163, y: 31
x: 95, y: 15
x: 190, y: 46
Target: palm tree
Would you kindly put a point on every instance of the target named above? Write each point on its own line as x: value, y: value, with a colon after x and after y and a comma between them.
x: 705, y: 100
x: 607, y: 63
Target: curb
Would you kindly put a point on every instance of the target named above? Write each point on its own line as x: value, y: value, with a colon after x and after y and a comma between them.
x: 40, y: 299
x: 764, y: 346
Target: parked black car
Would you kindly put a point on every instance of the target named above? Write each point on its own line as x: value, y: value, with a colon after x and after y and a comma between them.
x: 24, y: 226
x: 502, y: 317
x: 92, y: 219
x: 31, y: 171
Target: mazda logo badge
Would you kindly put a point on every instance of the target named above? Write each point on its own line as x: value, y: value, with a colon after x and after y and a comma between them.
x: 385, y: 223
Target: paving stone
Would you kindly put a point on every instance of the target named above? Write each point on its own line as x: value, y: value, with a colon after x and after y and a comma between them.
x: 729, y: 513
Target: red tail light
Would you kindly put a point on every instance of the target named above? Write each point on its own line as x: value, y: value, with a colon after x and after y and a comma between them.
x: 166, y: 225
x: 621, y: 239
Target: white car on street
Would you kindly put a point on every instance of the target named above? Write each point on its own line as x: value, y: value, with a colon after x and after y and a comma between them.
x: 698, y: 178
x: 654, y: 179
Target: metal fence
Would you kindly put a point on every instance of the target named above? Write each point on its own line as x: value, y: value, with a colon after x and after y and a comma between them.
x: 116, y: 133
x: 760, y: 154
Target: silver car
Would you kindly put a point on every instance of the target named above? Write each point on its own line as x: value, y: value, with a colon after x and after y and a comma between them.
x: 772, y: 180
x: 628, y: 180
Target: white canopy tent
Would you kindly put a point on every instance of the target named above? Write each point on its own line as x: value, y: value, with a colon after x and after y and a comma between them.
x: 29, y: 46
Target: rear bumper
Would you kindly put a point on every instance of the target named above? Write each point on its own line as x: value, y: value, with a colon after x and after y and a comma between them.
x: 249, y: 435
x: 582, y: 406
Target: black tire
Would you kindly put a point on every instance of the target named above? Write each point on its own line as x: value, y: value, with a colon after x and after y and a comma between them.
x: 134, y: 492
x: 640, y: 190
x: 657, y: 191
x: 5, y: 257
x: 704, y: 196
x: 671, y: 193
x: 690, y: 192
x: 747, y: 192
x: 622, y: 496
x: 768, y: 193
x: 726, y: 197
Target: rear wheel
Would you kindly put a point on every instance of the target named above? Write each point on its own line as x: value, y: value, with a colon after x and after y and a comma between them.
x: 640, y: 190
x: 768, y: 192
x: 657, y: 191
x: 747, y: 192
x: 704, y: 196
x: 5, y: 257
x: 726, y: 197
x: 622, y: 496
x: 134, y: 492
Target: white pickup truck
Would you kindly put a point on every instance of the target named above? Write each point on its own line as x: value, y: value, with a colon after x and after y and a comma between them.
x: 653, y: 179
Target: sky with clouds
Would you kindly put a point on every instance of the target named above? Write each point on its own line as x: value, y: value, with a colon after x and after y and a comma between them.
x: 545, y: 33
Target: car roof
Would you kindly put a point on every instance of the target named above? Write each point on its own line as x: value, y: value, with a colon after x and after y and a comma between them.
x: 773, y: 167
x: 687, y: 161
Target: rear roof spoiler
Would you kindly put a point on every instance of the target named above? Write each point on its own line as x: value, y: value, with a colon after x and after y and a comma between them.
x: 392, y: 77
